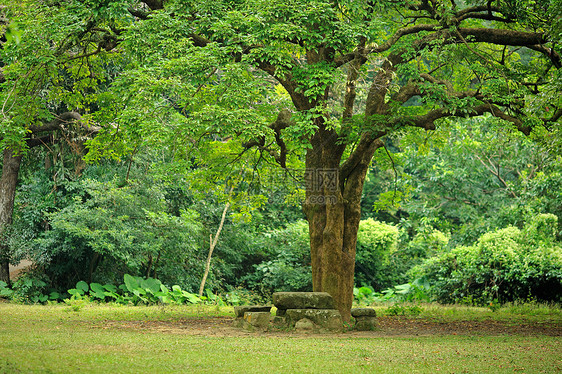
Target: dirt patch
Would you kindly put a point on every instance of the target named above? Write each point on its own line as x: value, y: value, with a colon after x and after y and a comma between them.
x: 214, y: 326
x: 386, y: 326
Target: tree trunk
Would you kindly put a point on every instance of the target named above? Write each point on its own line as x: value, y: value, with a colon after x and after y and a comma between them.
x: 212, y: 245
x: 333, y: 211
x: 8, y: 183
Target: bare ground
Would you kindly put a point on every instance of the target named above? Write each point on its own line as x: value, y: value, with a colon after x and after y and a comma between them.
x: 387, y: 326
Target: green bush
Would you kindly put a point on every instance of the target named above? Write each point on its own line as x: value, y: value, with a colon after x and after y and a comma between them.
x: 427, y: 242
x: 289, y: 267
x: 377, y: 244
x: 117, y: 229
x: 505, y: 265
x: 5, y: 291
x: 30, y: 288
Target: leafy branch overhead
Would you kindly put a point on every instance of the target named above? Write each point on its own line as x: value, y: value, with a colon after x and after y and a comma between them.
x: 392, y: 64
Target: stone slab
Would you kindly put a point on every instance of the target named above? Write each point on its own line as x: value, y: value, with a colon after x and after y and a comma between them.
x: 365, y: 323
x: 303, y: 300
x: 305, y: 325
x: 240, y: 310
x: 363, y: 312
x: 329, y: 319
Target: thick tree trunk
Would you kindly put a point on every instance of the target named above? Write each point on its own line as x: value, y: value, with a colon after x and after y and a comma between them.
x: 333, y: 211
x: 8, y: 182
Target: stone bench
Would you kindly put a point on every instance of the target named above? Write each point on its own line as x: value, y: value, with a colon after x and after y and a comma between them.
x: 303, y: 311
x: 307, y: 311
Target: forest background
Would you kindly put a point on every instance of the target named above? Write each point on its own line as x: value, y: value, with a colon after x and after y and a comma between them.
x: 126, y: 169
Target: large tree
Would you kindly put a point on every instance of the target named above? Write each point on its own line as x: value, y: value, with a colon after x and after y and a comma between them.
x: 352, y: 72
x: 45, y: 82
x: 356, y: 71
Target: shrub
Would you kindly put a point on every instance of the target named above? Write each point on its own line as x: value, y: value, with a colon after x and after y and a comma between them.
x: 427, y: 242
x: 289, y: 268
x: 374, y: 264
x: 505, y: 265
x: 116, y: 230
x: 30, y: 288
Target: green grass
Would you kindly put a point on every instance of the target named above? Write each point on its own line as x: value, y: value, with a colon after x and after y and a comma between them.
x: 57, y: 339
x: 508, y: 313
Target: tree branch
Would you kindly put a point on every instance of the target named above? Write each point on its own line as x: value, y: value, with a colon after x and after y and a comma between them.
x: 427, y: 121
x: 367, y: 145
x: 55, y: 124
x: 379, y: 87
x: 555, y: 117
x: 550, y: 53
x: 283, y: 121
x: 352, y: 75
x: 484, y: 12
x: 44, y: 140
x: 495, y: 171
x: 353, y: 170
x: 344, y: 59
x: 502, y: 36
x: 58, y: 124
x: 154, y: 4
x: 406, y: 92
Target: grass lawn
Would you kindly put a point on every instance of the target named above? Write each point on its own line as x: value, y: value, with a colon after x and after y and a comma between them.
x: 116, y: 339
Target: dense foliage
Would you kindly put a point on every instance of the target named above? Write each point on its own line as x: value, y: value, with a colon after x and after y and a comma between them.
x: 505, y: 265
x: 466, y: 178
x: 115, y: 218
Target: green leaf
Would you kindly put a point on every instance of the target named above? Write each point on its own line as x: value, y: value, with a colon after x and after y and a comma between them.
x: 151, y: 284
x: 365, y: 291
x: 96, y: 287
x: 98, y: 291
x: 76, y: 293
x: 55, y: 296
x: 6, y: 292
x: 110, y: 288
x: 403, y: 288
x: 132, y: 283
x: 192, y: 298
x: 82, y: 286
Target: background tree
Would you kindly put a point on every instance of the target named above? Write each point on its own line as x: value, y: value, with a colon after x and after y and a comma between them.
x: 47, y: 79
x: 466, y: 178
